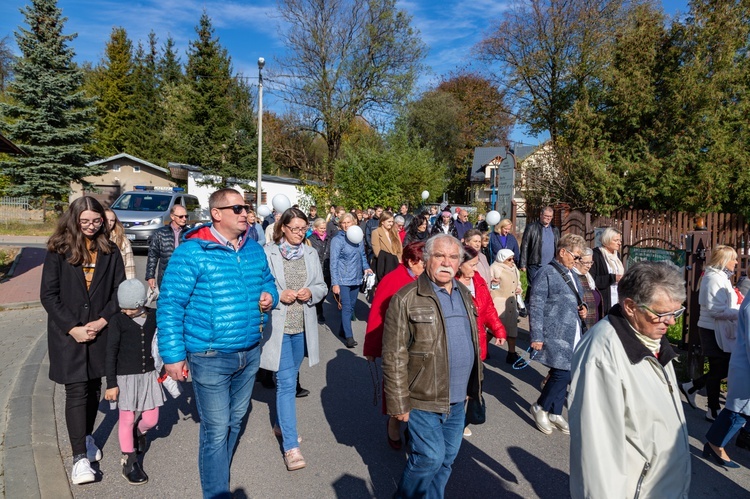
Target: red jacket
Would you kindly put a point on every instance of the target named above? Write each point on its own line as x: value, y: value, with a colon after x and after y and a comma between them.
x: 387, y: 287
x: 488, y: 317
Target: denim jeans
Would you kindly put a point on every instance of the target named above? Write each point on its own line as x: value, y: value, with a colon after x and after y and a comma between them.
x: 349, y: 296
x: 292, y: 353
x: 223, y: 384
x: 727, y: 424
x: 434, y: 441
x: 554, y: 392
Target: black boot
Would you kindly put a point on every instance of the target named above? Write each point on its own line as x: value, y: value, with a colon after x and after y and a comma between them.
x: 266, y: 378
x: 139, y: 440
x: 301, y: 392
x: 743, y: 439
x: 132, y: 471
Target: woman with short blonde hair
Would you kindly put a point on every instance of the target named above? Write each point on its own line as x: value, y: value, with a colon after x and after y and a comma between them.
x: 608, y: 269
x: 502, y: 238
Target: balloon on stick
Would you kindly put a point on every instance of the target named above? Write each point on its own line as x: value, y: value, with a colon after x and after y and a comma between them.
x: 492, y: 218
x: 354, y: 234
x: 425, y: 195
x: 281, y: 203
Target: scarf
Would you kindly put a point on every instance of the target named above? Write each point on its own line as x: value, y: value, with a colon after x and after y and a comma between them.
x: 613, y: 262
x: 289, y: 252
x: 320, y: 236
x: 589, y: 279
x: 650, y: 343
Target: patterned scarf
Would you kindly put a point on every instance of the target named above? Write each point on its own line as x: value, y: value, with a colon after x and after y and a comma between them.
x: 290, y: 252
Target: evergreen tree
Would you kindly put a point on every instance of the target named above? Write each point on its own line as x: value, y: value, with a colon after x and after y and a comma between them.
x: 169, y: 66
x: 49, y: 115
x: 113, y: 84
x: 148, y: 120
x: 208, y: 123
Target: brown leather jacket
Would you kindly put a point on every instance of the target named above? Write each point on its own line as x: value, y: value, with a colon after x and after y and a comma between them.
x: 415, y: 351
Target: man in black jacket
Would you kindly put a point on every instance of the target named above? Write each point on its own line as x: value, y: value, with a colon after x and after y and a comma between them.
x: 163, y: 242
x: 538, y: 244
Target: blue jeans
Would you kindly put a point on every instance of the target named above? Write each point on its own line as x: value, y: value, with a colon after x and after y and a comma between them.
x: 223, y: 384
x: 727, y: 424
x: 434, y: 441
x: 554, y: 392
x: 292, y: 353
x: 349, y: 296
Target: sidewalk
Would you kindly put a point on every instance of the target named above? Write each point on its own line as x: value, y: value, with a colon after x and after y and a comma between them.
x: 21, y: 290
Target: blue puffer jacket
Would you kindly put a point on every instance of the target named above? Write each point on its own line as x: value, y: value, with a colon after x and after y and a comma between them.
x: 209, y: 297
x: 348, y: 261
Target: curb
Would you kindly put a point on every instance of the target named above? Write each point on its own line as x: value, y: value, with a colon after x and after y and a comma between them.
x: 20, y: 305
x: 13, y: 265
x: 31, y: 433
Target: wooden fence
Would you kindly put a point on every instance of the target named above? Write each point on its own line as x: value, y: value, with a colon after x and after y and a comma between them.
x: 666, y: 230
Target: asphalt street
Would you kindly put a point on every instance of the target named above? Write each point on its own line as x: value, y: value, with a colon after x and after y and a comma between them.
x: 343, y: 432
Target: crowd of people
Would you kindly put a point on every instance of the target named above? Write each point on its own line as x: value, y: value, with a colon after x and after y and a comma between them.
x: 242, y: 294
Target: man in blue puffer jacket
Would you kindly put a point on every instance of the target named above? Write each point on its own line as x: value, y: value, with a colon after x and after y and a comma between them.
x: 210, y: 313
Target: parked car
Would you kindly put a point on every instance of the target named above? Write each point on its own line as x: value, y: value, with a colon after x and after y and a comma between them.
x: 145, y: 209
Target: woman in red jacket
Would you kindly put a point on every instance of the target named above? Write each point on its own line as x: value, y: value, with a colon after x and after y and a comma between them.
x: 487, y: 318
x: 408, y: 270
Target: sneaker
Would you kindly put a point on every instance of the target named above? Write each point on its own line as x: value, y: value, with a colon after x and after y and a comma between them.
x: 467, y: 432
x: 92, y: 451
x: 294, y: 460
x: 350, y: 343
x: 559, y: 421
x: 82, y: 472
x: 541, y: 418
x: 711, y: 414
x: 690, y: 396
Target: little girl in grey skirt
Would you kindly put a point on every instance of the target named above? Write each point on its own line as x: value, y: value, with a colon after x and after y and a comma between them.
x: 132, y: 379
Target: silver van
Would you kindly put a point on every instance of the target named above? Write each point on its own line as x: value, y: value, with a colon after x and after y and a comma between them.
x: 145, y: 209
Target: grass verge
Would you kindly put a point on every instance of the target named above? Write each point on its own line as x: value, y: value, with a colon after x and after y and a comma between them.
x: 28, y: 229
x: 7, y: 256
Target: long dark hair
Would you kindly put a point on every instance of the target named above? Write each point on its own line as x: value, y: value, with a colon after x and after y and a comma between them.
x: 413, y: 228
x: 68, y: 237
x: 286, y: 217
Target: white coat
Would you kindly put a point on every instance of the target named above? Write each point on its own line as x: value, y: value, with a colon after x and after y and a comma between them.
x: 628, y: 433
x: 273, y: 333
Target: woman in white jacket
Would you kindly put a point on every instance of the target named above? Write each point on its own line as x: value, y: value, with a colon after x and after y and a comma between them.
x: 717, y: 323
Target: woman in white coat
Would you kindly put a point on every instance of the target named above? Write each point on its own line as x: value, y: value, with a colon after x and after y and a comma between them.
x: 294, y: 323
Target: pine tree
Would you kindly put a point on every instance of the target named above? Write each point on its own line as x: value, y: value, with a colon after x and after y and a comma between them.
x: 208, y: 125
x: 148, y: 120
x: 169, y: 66
x: 49, y: 115
x: 114, y: 85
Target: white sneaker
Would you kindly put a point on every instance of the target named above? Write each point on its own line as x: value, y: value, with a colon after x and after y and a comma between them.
x: 82, y: 472
x: 559, y: 421
x: 92, y: 451
x: 467, y: 432
x: 541, y: 418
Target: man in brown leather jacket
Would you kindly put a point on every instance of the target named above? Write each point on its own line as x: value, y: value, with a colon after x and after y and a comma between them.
x: 430, y: 365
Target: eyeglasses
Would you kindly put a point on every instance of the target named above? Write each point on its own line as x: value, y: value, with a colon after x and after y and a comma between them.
x: 184, y: 216
x: 586, y: 264
x: 236, y: 208
x: 664, y: 317
x: 576, y: 258
x: 296, y: 230
x: 95, y: 222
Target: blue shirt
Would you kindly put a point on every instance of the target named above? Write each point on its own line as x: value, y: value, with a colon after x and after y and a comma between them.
x: 548, y: 245
x: 458, y: 335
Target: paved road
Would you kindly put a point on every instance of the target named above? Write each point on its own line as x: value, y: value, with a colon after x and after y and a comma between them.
x: 344, y: 436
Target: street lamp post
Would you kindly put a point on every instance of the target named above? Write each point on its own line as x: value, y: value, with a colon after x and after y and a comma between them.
x: 259, y: 193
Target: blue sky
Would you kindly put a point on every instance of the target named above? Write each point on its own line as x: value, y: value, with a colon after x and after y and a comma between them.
x: 250, y: 29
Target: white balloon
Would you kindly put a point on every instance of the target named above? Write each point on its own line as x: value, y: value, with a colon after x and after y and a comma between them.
x: 492, y: 218
x: 425, y: 195
x: 263, y: 211
x: 281, y: 203
x: 354, y: 234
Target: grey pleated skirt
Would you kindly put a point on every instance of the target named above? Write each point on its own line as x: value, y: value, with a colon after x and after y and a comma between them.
x: 139, y: 392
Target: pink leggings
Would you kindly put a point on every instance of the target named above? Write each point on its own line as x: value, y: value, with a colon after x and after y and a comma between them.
x: 127, y: 419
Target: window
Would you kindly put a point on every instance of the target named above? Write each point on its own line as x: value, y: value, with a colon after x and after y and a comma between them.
x: 136, y: 169
x: 115, y: 168
x: 192, y: 205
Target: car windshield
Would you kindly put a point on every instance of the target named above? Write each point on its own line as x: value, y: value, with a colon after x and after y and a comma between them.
x: 143, y: 202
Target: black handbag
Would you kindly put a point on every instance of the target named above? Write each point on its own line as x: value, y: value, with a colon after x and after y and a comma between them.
x: 476, y: 411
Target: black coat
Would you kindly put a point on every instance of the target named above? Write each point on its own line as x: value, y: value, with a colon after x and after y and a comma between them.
x: 160, y: 249
x: 603, y: 280
x: 68, y: 304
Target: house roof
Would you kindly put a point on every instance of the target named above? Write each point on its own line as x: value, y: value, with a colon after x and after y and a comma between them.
x: 484, y: 155
x: 9, y: 147
x: 131, y: 158
x: 263, y: 178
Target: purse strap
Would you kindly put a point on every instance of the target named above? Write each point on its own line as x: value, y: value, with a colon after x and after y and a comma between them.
x: 566, y: 277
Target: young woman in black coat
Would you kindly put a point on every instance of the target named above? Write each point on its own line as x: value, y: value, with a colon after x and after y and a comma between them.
x: 81, y: 274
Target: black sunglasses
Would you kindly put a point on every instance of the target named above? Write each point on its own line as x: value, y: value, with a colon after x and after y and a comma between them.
x: 236, y: 208
x: 180, y: 216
